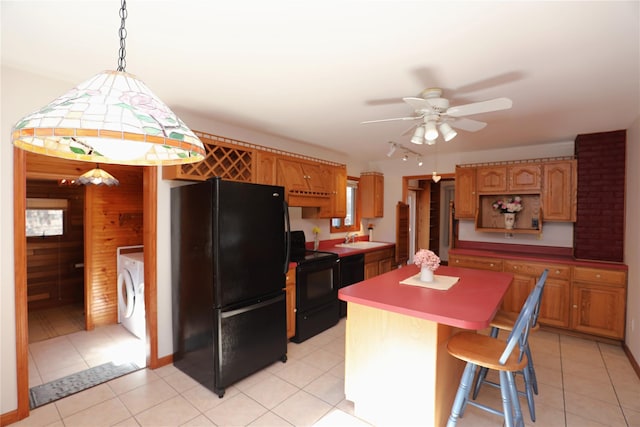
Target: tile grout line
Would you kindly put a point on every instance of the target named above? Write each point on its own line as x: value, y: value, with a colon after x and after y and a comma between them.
x: 606, y: 366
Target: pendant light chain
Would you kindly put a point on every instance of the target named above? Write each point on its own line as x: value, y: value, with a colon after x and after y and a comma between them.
x: 122, y: 62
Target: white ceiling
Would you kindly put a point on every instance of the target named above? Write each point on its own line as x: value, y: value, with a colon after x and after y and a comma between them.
x: 311, y: 71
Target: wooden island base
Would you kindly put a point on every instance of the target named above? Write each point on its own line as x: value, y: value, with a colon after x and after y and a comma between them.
x: 397, y: 368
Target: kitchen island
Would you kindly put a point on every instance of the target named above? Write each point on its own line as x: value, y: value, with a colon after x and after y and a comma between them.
x: 397, y: 368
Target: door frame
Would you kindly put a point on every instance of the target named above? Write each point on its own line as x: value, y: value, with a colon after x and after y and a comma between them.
x: 150, y: 221
x: 406, y: 189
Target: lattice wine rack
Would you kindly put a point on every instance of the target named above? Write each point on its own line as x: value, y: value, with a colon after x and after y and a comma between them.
x: 225, y: 158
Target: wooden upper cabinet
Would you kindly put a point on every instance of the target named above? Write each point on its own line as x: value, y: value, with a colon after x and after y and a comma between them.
x: 491, y: 179
x: 302, y: 177
x: 339, y: 194
x: 337, y: 206
x: 560, y: 191
x: 265, y: 168
x: 524, y: 177
x: 371, y: 189
x: 465, y: 193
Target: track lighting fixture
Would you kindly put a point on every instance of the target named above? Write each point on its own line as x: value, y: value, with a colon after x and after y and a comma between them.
x: 392, y: 149
x: 407, y: 152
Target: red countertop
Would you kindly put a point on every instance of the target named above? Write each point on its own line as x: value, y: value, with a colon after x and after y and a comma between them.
x: 470, y: 304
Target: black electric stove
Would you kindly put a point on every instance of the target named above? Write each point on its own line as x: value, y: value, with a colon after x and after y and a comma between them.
x: 317, y: 281
x: 301, y: 255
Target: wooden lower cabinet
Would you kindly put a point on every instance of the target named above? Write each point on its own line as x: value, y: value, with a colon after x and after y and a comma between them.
x: 554, y: 306
x: 598, y: 302
x: 378, y: 262
x: 583, y: 299
x: 290, y: 291
x: 479, y: 263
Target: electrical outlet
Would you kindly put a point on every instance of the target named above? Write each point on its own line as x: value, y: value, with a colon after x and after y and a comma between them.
x: 534, y: 223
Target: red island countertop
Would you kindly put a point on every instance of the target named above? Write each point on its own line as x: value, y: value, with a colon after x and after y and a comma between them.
x: 470, y: 304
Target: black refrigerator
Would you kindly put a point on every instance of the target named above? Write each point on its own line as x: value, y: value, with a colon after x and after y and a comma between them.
x: 230, y: 244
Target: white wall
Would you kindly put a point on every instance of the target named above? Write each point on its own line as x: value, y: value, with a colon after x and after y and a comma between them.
x: 22, y: 93
x: 632, y: 237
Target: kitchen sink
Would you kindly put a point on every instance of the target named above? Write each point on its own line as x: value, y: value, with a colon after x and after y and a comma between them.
x: 361, y: 245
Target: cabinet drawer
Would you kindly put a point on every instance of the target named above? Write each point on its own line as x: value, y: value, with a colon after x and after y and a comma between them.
x: 530, y: 269
x: 479, y: 263
x: 378, y: 255
x: 598, y: 275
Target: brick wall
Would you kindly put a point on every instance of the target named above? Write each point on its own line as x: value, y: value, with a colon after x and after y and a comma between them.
x: 599, y: 229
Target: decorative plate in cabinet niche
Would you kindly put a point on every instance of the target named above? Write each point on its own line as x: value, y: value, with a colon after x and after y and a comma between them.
x: 527, y: 221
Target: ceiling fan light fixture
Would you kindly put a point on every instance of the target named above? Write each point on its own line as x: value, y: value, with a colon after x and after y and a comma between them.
x: 447, y: 132
x: 111, y: 118
x: 431, y: 133
x: 418, y: 136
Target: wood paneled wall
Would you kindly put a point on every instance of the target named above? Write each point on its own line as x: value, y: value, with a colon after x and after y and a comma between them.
x: 55, y: 275
x: 113, y: 218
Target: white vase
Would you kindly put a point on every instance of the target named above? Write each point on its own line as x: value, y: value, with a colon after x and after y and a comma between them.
x: 426, y: 274
x: 509, y: 220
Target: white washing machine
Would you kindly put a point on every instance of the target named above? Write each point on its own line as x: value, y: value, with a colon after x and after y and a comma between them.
x: 131, y: 292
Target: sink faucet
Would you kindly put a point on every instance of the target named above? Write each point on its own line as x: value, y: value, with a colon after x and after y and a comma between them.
x: 350, y: 238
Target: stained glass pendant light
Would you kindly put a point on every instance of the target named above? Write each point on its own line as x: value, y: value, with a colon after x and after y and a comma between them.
x: 111, y: 118
x: 97, y: 176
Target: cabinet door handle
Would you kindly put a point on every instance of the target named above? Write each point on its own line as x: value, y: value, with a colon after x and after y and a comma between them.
x: 597, y: 276
x: 575, y: 306
x: 491, y: 265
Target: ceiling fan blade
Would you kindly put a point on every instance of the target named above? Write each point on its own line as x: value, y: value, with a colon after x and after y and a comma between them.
x: 480, y: 107
x: 392, y: 120
x: 467, y: 124
x: 418, y: 104
x: 411, y: 130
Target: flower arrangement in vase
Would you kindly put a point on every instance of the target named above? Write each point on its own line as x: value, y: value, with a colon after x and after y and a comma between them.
x: 509, y: 207
x: 428, y: 262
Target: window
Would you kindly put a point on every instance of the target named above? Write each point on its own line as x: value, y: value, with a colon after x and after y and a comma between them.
x: 45, y: 217
x: 352, y: 221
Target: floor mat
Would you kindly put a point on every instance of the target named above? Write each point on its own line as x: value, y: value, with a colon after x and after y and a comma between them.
x: 63, y: 387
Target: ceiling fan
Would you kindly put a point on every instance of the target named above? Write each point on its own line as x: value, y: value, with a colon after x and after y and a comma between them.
x: 435, y: 113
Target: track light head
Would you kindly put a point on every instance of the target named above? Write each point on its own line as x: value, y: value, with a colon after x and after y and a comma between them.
x: 392, y: 149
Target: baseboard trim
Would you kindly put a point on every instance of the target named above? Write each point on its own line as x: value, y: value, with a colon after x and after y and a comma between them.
x: 9, y: 418
x: 166, y: 360
x: 632, y: 360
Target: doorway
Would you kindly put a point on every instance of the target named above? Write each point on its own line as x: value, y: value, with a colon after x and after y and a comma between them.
x: 48, y: 168
x: 429, y: 213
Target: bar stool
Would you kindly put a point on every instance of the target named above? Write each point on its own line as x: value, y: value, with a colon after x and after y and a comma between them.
x: 485, y: 351
x: 505, y: 321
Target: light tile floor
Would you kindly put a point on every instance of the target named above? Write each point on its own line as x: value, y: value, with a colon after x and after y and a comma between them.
x: 58, y: 345
x: 582, y: 383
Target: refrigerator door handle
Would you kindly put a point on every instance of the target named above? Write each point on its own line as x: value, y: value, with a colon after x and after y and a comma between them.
x: 231, y: 313
x: 287, y: 256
